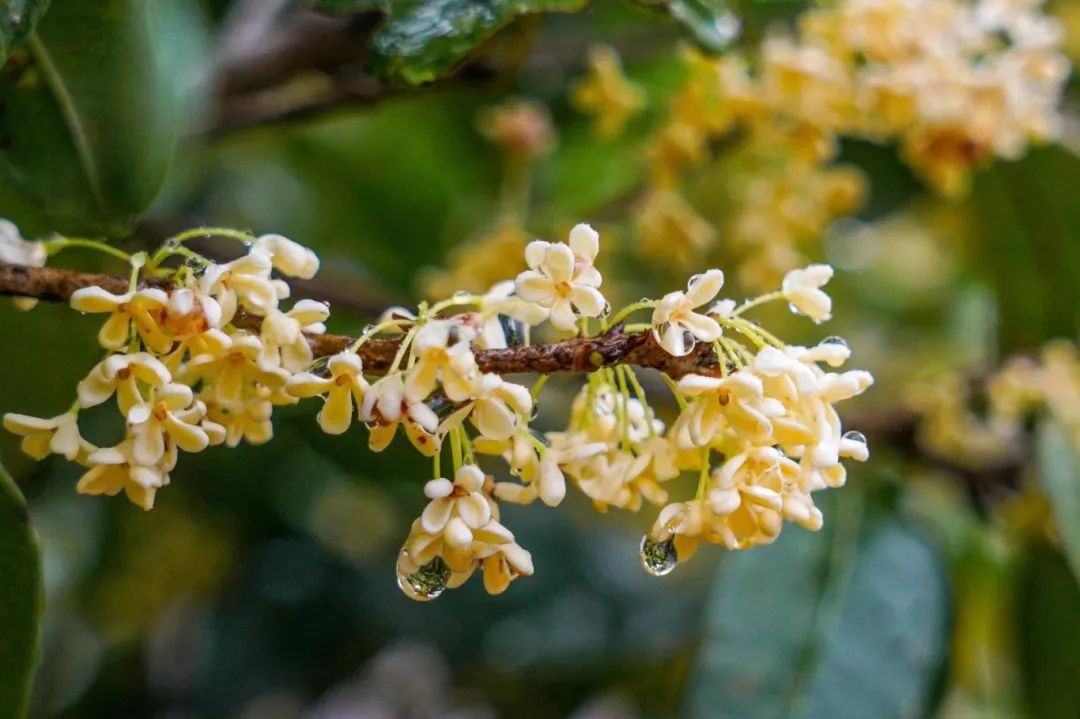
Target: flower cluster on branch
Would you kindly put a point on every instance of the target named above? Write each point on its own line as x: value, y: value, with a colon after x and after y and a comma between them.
x: 199, y: 353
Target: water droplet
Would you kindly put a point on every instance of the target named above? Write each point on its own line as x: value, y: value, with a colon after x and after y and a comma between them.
x: 426, y: 583
x: 794, y: 310
x: 658, y: 558
x: 854, y: 436
x: 835, y: 340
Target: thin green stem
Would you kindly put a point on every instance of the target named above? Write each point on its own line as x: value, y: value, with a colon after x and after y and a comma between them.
x: 749, y: 304
x: 59, y: 244
x: 455, y: 447
x: 374, y: 330
x: 626, y: 312
x: 539, y: 385
x: 674, y: 387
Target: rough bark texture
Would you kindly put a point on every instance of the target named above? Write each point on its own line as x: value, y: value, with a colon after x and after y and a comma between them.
x: 581, y: 354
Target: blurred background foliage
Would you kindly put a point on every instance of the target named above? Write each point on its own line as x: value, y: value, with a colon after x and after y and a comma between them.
x: 262, y: 585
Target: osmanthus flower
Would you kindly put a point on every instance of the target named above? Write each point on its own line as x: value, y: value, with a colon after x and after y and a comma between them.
x: 498, y: 303
x: 506, y: 563
x: 619, y: 479
x: 41, y: 437
x: 245, y: 420
x: 190, y: 314
x: 441, y: 358
x: 245, y: 281
x: 456, y: 508
x: 802, y: 288
x: 735, y: 404
x: 606, y: 94
x: 162, y: 419
x: 496, y: 408
x: 385, y: 407
x: 230, y: 365
x: 344, y: 390
x: 147, y: 308
x: 748, y: 490
x: 562, y: 278
x: 115, y: 469
x: 284, y: 343
x: 125, y: 375
x: 674, y: 317
x: 288, y: 257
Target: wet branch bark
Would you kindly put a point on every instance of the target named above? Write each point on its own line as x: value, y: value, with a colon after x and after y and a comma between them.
x: 580, y: 354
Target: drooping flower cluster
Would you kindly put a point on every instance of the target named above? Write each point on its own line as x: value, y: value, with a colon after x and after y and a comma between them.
x: 200, y: 354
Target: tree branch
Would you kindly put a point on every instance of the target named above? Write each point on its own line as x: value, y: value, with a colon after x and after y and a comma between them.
x: 580, y: 354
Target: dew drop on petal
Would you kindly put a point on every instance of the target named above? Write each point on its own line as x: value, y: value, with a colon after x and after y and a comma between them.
x: 854, y: 436
x: 658, y: 558
x: 426, y: 583
x: 835, y: 340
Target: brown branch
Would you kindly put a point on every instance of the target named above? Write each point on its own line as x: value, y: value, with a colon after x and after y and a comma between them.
x: 580, y: 354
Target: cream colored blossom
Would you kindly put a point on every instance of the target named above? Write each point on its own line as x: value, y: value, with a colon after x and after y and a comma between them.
x: 288, y: 257
x: 456, y: 508
x: 126, y: 376
x: 674, y: 317
x: 40, y: 437
x: 497, y: 407
x: 146, y: 308
x: 344, y: 390
x: 231, y: 366
x: 385, y: 407
x: 243, y: 282
x: 161, y: 420
x: 563, y: 279
x: 441, y: 360
x: 114, y: 470
x: 802, y: 288
x: 284, y: 343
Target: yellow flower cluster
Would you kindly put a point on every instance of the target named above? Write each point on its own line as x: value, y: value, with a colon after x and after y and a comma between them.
x: 953, y: 83
x: 950, y: 428
x: 201, y: 356
x: 183, y: 375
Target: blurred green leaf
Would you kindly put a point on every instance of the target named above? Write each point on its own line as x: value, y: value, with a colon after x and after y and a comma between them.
x: 422, y: 40
x: 90, y: 120
x: 17, y: 21
x: 1047, y: 633
x: 827, y: 624
x: 1026, y: 244
x: 21, y: 599
x: 1059, y: 472
x: 710, y: 22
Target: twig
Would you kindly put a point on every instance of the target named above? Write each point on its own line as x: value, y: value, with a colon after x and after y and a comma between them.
x: 580, y: 354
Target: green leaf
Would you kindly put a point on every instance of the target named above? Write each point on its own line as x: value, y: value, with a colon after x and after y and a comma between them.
x: 710, y: 22
x: 827, y: 624
x: 88, y: 124
x: 1025, y: 245
x: 17, y: 21
x: 1059, y: 472
x: 21, y: 599
x: 1047, y: 635
x: 423, y: 40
